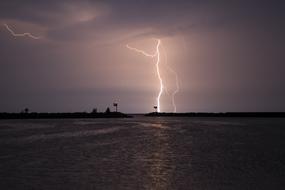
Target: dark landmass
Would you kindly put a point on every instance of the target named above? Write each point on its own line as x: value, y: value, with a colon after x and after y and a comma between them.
x: 221, y: 114
x: 74, y: 115
x: 78, y: 115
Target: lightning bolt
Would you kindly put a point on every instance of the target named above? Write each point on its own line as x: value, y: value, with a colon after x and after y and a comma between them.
x: 157, y: 55
x: 176, y: 82
x: 175, y: 91
x: 21, y: 35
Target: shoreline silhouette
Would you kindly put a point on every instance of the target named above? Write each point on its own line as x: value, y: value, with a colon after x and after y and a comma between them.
x: 63, y: 115
x: 218, y: 114
x: 109, y: 114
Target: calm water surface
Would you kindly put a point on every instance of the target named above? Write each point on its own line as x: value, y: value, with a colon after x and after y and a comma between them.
x: 143, y: 153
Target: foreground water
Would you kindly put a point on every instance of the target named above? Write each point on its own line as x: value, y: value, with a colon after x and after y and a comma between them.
x: 143, y: 153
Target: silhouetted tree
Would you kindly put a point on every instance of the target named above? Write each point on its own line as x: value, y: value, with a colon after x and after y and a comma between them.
x: 94, y: 110
x: 107, y: 110
x: 26, y: 110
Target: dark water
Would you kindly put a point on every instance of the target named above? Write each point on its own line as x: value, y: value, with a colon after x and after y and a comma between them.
x: 143, y: 153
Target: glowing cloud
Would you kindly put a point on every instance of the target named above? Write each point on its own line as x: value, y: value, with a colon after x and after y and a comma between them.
x: 21, y: 35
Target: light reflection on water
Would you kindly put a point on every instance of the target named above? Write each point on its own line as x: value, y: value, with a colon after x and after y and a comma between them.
x: 143, y: 153
x: 159, y: 163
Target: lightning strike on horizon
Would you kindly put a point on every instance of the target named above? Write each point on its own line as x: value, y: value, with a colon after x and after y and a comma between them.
x: 21, y: 35
x: 176, y: 82
x: 156, y: 54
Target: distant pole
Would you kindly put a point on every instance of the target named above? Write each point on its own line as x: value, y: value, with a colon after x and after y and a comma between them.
x: 155, y: 108
x: 116, y: 106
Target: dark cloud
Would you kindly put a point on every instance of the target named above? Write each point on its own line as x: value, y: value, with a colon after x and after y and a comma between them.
x: 160, y: 17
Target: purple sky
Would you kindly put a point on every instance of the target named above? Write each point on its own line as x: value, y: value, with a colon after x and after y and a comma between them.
x: 229, y: 55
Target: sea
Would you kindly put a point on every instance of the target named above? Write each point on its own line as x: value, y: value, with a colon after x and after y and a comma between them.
x: 158, y: 153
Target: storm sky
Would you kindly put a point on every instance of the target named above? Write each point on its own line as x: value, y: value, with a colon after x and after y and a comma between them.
x: 229, y: 55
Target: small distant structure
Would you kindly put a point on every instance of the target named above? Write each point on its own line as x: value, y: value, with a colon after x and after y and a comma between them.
x: 155, y: 108
x: 108, y: 110
x: 94, y: 111
x: 26, y: 110
x: 115, y: 104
